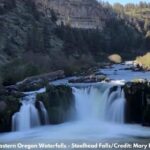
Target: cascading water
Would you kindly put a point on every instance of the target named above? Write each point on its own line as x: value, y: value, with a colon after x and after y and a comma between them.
x: 28, y: 116
x: 95, y: 106
x: 116, y: 106
x: 44, y: 113
x: 89, y: 104
x: 93, y: 103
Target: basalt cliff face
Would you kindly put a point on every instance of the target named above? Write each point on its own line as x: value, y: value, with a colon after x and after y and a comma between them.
x: 87, y: 14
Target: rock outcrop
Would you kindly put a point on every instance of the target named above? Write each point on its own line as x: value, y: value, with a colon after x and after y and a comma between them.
x: 59, y: 103
x: 138, y: 102
x: 87, y: 14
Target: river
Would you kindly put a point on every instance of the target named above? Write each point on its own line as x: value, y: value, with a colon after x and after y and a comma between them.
x: 99, y: 115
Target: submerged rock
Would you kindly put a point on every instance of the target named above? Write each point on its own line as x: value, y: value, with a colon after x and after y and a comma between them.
x: 59, y: 102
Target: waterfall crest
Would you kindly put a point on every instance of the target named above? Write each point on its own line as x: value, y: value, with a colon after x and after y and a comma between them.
x: 89, y: 104
x: 93, y: 103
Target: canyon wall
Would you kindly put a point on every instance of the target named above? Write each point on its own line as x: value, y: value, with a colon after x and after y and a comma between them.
x: 87, y: 14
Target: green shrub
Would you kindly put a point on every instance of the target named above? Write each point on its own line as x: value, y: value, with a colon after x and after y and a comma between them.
x: 17, y: 71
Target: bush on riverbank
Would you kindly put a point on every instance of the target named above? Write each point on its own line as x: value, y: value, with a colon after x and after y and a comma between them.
x: 115, y: 58
x: 144, y: 61
x: 16, y: 71
x: 59, y: 102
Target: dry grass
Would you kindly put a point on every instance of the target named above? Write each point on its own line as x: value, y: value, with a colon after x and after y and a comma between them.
x: 140, y: 14
x: 115, y: 58
x: 144, y: 61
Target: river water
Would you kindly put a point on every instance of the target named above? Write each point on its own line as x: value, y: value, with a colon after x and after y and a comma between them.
x: 99, y: 115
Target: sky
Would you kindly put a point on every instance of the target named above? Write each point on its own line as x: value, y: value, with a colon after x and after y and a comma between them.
x: 125, y: 1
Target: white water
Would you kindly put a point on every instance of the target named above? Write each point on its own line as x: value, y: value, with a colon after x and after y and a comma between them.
x: 28, y: 115
x: 95, y: 106
x: 93, y: 121
x: 89, y: 104
x: 93, y: 103
x: 115, y: 106
x: 44, y: 113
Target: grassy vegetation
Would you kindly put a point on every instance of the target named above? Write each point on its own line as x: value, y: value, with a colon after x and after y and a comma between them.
x: 138, y: 13
x: 16, y: 71
x: 144, y: 61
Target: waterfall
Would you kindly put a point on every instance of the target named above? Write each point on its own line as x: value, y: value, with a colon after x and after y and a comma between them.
x: 100, y: 103
x: 93, y: 103
x: 115, y: 106
x: 28, y: 115
x: 44, y: 113
x: 26, y: 118
x: 89, y: 103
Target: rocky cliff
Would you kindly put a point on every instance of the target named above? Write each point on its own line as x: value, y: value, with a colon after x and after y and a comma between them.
x: 32, y: 43
x: 88, y: 14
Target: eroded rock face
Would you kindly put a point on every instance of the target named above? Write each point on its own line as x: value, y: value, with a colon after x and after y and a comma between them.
x: 9, y: 104
x: 138, y: 102
x: 87, y: 14
x: 59, y: 103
